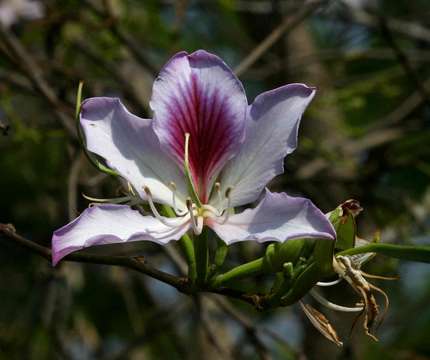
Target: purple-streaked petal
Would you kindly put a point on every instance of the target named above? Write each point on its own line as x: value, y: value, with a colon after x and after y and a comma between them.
x: 271, y: 133
x: 110, y: 224
x: 278, y: 217
x: 129, y: 145
x: 198, y: 94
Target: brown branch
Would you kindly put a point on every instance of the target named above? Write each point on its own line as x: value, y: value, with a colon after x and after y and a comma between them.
x: 135, y: 263
x: 17, y: 81
x: 287, y: 24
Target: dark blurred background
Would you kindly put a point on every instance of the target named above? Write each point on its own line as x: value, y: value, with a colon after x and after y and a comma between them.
x: 365, y: 136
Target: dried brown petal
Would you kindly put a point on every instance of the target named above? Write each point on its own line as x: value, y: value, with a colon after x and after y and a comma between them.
x: 321, y: 323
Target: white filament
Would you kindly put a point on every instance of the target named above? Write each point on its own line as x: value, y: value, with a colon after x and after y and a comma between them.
x: 330, y: 283
x: 177, y: 211
x: 333, y: 306
x: 155, y: 211
x: 217, y: 186
x: 227, y: 210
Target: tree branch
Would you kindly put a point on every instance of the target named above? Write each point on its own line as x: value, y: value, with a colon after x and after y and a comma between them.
x: 285, y: 26
x: 136, y: 263
x: 25, y: 61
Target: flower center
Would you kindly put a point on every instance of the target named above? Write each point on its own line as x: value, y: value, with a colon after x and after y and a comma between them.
x: 196, y: 209
x: 196, y: 213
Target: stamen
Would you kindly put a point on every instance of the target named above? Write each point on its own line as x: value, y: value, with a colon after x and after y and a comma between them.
x: 199, y: 227
x: 379, y: 277
x: 130, y: 189
x: 155, y: 211
x: 177, y: 211
x: 227, y: 210
x: 213, y: 210
x: 189, y: 204
x: 330, y: 283
x: 217, y: 187
x: 386, y: 303
x: 118, y: 200
x: 323, y: 301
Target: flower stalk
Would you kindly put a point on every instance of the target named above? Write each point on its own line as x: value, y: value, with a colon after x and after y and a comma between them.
x: 202, y: 257
x: 187, y: 246
x: 250, y: 268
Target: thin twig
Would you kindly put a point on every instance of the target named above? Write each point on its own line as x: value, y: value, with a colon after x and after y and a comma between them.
x: 403, y: 59
x: 72, y: 186
x: 212, y: 339
x: 411, y: 29
x: 287, y: 24
x: 135, y: 263
x: 244, y: 321
x: 122, y: 36
x: 113, y: 70
x: 17, y: 81
x: 160, y: 320
x: 35, y: 74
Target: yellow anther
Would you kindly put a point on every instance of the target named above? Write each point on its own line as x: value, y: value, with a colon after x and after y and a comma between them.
x: 147, y: 191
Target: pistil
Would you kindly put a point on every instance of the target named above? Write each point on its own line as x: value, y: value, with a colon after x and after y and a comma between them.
x: 191, y: 188
x: 196, y: 218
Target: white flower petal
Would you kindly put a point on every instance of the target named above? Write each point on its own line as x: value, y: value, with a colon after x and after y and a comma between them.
x: 110, y: 224
x: 130, y: 146
x: 278, y: 217
x: 271, y: 134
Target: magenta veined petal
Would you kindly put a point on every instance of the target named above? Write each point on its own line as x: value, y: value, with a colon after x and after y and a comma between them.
x: 278, y: 217
x: 198, y: 94
x: 110, y: 224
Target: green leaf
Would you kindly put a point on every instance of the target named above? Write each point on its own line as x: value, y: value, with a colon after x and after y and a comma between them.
x: 323, y: 254
x: 346, y: 232
x: 345, y: 226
